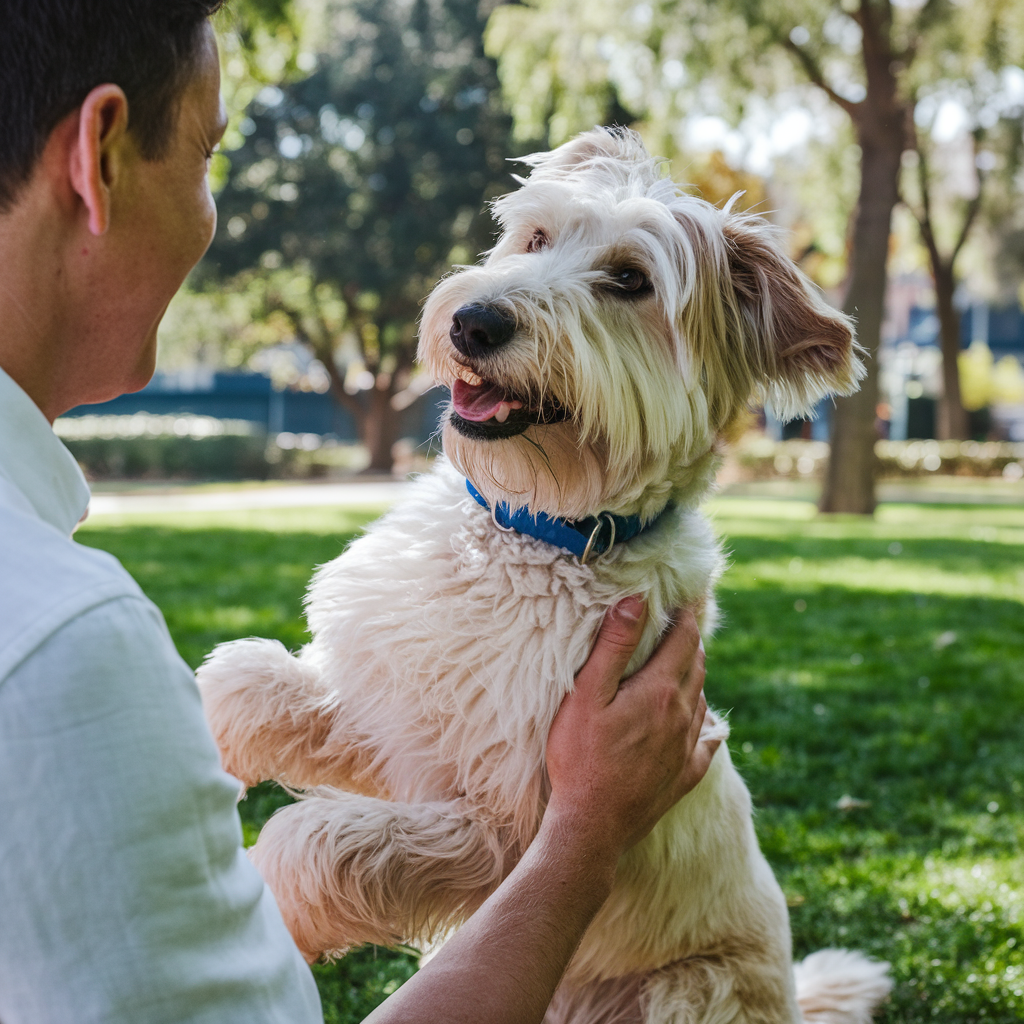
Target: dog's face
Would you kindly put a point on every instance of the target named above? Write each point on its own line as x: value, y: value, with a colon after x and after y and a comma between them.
x: 615, y: 330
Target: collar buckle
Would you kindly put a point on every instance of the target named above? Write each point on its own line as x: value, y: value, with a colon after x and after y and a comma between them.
x: 588, y: 550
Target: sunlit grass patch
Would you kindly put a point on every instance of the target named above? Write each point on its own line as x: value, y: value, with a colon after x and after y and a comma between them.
x: 874, y: 674
x: 320, y: 519
x: 221, y: 575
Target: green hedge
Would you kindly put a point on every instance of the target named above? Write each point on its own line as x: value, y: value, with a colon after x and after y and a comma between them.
x: 759, y: 458
x: 224, y: 456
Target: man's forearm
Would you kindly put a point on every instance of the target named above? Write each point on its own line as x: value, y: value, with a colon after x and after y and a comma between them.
x: 503, y: 966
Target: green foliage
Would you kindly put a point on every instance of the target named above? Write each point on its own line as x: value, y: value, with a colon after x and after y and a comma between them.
x: 227, y: 325
x: 351, y: 988
x: 371, y: 172
x: 665, y: 62
x: 564, y: 64
x: 880, y: 660
x: 259, y: 43
x: 347, y: 193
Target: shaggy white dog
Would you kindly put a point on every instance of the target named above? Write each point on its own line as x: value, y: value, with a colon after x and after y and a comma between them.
x: 596, y: 357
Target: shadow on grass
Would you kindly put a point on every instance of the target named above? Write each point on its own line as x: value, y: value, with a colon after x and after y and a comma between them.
x: 905, y: 700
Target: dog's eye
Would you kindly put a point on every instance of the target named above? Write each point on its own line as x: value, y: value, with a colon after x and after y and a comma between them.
x: 629, y: 279
x: 538, y: 241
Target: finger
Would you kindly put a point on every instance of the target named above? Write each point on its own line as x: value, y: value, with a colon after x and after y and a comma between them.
x: 620, y: 633
x: 691, y: 686
x: 676, y: 654
x: 697, y: 723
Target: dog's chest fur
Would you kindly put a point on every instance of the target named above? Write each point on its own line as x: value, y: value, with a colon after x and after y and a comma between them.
x: 450, y: 646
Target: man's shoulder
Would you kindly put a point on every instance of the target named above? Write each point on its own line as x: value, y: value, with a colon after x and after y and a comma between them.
x: 48, y: 580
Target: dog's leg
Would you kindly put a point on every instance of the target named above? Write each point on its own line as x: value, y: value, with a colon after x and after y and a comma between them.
x: 272, y: 719
x: 353, y: 869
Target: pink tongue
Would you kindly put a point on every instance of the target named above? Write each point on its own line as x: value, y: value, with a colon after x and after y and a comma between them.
x: 476, y: 403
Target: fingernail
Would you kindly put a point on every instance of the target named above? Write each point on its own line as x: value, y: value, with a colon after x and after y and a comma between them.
x: 630, y: 608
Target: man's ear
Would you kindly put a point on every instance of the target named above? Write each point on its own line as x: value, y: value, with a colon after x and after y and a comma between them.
x: 805, y: 348
x: 97, y: 153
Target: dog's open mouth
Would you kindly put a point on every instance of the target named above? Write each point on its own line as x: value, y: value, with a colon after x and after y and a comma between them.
x: 485, y: 410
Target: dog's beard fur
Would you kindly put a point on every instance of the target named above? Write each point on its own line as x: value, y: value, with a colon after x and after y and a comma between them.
x: 648, y: 380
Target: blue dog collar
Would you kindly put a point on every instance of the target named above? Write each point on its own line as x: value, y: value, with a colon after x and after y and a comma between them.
x: 582, y: 537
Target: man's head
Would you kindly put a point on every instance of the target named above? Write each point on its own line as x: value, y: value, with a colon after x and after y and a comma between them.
x: 109, y: 112
x: 53, y: 53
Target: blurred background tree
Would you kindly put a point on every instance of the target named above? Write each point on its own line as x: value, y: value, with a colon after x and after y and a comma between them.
x: 951, y: 168
x: 332, y: 232
x: 562, y: 61
x: 353, y: 188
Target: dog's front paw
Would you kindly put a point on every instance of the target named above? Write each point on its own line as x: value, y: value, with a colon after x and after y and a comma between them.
x: 246, y: 688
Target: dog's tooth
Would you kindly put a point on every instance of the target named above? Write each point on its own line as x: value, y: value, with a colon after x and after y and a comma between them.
x: 503, y: 410
x: 515, y: 405
x: 466, y: 374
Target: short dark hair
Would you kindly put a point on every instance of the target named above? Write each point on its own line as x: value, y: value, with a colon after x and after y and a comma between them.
x: 53, y: 53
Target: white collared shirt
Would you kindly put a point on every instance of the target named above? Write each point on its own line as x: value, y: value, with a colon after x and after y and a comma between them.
x: 125, y: 894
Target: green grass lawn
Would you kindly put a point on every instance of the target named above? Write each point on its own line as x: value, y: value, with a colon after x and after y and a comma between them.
x: 878, y: 661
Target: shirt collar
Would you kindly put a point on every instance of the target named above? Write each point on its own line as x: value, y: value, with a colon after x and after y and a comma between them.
x: 36, y: 463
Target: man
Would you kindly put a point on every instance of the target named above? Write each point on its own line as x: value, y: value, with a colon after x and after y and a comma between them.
x: 125, y: 894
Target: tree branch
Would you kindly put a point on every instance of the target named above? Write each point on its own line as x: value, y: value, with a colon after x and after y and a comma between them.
x: 323, y: 349
x: 924, y: 15
x: 974, y: 206
x: 813, y: 71
x: 972, y: 212
x: 924, y: 217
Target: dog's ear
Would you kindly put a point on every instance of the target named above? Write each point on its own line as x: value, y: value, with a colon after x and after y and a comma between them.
x: 803, y: 348
x: 593, y: 147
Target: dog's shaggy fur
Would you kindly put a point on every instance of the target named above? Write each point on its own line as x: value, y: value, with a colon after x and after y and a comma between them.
x: 638, y: 324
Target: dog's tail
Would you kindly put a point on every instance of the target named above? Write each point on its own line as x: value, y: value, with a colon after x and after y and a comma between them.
x: 839, y: 986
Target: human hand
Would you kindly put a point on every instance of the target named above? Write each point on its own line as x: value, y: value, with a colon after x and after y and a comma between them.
x: 621, y: 754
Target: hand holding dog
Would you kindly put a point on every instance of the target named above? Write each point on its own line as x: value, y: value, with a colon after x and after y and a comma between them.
x: 620, y: 754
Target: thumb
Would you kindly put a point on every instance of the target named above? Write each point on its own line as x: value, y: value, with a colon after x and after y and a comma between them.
x: 620, y: 633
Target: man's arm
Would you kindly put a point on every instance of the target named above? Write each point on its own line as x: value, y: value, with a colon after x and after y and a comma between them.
x: 619, y: 756
x: 125, y: 894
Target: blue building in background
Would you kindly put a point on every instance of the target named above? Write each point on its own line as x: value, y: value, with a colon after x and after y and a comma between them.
x: 252, y: 397
x: 1001, y: 328
x: 911, y: 377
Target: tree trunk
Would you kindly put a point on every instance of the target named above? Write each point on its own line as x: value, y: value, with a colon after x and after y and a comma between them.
x: 952, y: 418
x: 376, y: 421
x: 379, y: 426
x: 850, y: 476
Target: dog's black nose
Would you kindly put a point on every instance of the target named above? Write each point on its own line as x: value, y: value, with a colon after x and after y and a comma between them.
x: 478, y: 330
